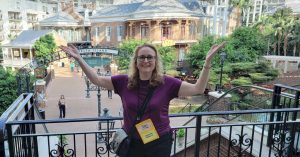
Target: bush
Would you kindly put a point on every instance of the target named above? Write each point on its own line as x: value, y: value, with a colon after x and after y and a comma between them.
x: 241, y: 81
x: 180, y: 132
x: 259, y: 77
x: 172, y: 73
x: 272, y: 73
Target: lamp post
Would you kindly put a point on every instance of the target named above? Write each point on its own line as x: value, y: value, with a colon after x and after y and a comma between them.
x: 92, y: 87
x: 222, y: 58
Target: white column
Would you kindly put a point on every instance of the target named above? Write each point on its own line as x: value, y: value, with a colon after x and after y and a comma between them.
x: 285, y: 66
x: 260, y: 9
x: 21, y: 56
x: 248, y: 16
x: 30, y: 53
x: 254, y: 12
x: 215, y: 17
x: 225, y: 23
x: 12, y: 55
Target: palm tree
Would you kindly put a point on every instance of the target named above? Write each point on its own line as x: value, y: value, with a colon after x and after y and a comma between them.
x: 265, y: 25
x: 295, y: 37
x: 241, y: 6
x: 282, y: 26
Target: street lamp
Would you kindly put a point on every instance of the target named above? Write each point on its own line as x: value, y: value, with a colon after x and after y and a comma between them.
x: 222, y: 58
x: 92, y: 87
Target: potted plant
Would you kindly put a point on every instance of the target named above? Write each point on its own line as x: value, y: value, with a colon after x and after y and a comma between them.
x: 180, y: 134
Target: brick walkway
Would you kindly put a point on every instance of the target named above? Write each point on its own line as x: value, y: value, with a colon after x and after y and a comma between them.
x: 73, y: 86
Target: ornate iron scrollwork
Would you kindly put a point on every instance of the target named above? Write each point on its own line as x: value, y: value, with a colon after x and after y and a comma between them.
x: 281, y: 143
x: 104, y: 148
x: 61, y: 151
x: 241, y: 144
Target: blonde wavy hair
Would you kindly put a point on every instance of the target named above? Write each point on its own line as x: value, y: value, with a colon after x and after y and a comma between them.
x: 133, y: 75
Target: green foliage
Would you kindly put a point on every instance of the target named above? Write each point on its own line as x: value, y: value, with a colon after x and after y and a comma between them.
x: 180, y: 132
x: 241, y: 81
x: 247, y: 43
x: 44, y: 47
x: 259, y: 77
x: 172, y: 73
x: 198, y: 51
x: 8, y: 89
x: 214, y: 78
x: 242, y: 69
x: 168, y: 56
x: 126, y: 50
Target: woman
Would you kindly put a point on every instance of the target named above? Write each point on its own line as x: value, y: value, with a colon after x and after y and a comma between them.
x: 146, y: 71
x: 62, y: 106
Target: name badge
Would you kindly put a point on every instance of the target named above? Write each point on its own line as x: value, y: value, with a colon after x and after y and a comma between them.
x: 147, y: 131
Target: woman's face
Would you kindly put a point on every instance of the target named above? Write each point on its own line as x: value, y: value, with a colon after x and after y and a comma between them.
x: 146, y: 59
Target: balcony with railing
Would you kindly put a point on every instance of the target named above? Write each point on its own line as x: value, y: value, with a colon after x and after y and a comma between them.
x: 266, y: 130
x: 16, y: 62
x: 15, y: 18
x: 15, y: 27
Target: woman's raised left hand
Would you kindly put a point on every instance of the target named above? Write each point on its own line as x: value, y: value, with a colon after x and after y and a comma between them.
x: 213, y: 51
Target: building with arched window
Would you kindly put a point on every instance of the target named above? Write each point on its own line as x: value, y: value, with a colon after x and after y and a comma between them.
x: 168, y: 22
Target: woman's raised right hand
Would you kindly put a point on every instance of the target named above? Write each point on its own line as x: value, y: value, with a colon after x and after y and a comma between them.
x: 71, y: 51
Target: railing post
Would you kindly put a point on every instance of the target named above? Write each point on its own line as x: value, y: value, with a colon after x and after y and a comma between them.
x: 275, y: 104
x: 35, y: 142
x: 198, y: 135
x: 10, y: 140
x: 293, y: 128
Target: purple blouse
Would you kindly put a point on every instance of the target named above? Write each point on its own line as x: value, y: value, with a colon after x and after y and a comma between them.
x: 157, y: 109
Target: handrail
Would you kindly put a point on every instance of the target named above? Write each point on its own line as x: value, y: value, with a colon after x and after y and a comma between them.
x: 243, y: 86
x: 171, y: 115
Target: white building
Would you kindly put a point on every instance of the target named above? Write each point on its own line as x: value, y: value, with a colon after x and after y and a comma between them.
x: 19, y: 15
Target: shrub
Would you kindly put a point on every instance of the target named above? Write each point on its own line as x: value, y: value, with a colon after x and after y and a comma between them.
x: 259, y: 77
x: 172, y: 73
x: 180, y: 132
x: 241, y: 81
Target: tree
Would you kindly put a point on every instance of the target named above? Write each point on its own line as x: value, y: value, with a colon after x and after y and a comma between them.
x: 44, y: 47
x: 265, y: 26
x: 167, y: 54
x: 8, y: 89
x: 295, y: 37
x: 126, y: 49
x: 198, y: 51
x: 282, y: 26
x: 241, y: 6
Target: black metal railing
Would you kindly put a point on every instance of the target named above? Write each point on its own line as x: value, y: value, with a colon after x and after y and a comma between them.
x: 200, y: 138
x: 278, y: 135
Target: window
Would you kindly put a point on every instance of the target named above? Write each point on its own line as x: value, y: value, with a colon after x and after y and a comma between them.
x: 97, y: 34
x: 54, y: 9
x: 120, y: 32
x: 108, y: 33
x: 75, y: 3
x: 181, y: 54
x: 182, y: 29
x: 166, y: 31
x: 144, y: 31
x: 45, y: 9
x: 192, y: 30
